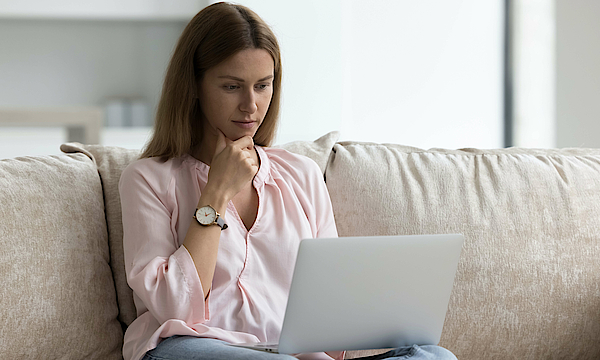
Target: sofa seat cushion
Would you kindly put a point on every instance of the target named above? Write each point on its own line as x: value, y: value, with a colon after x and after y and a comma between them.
x: 529, y: 277
x: 58, y: 296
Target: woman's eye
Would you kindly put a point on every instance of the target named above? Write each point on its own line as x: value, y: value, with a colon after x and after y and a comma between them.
x: 231, y: 87
x: 262, y: 86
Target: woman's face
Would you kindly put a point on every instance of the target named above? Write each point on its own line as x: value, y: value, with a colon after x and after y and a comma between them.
x: 235, y: 95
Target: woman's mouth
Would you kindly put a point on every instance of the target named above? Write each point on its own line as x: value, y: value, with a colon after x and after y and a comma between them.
x: 245, y: 124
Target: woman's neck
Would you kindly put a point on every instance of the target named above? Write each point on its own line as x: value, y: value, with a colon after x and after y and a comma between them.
x: 204, y: 151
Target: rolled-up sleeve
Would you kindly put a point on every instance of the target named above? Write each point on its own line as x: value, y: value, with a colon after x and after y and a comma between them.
x: 160, y: 272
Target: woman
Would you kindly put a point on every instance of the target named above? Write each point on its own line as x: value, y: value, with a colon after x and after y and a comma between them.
x: 212, y: 217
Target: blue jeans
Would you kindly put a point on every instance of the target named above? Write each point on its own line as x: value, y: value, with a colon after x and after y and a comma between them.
x: 195, y: 348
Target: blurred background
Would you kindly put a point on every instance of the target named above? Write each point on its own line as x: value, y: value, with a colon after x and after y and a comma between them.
x: 430, y: 73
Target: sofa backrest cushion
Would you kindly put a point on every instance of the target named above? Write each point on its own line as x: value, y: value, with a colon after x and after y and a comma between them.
x: 58, y: 297
x: 529, y: 277
x: 110, y: 162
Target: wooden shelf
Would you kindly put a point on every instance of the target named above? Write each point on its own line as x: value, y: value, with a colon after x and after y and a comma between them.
x: 83, y: 124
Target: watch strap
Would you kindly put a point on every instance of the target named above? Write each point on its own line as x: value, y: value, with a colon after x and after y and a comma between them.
x: 221, y: 222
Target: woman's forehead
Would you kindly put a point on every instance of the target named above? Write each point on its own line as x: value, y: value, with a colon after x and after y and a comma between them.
x: 251, y: 63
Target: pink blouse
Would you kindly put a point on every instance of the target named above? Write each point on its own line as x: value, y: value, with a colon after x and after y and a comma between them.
x: 254, y: 268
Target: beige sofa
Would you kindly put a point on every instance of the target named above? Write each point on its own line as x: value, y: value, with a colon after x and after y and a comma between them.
x: 527, y: 287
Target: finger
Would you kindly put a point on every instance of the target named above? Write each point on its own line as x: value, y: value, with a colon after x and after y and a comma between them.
x: 252, y: 166
x: 245, y: 142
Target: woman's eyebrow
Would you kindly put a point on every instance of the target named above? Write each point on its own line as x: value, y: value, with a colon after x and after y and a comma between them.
x: 242, y: 80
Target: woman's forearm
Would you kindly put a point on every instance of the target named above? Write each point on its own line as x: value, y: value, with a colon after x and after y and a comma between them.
x: 202, y: 242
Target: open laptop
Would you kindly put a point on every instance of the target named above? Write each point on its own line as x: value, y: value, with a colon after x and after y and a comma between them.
x: 356, y: 293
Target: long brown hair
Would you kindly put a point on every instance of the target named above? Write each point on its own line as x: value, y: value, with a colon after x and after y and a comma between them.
x: 212, y: 36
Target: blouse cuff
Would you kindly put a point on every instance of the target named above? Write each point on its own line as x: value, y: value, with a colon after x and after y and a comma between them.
x: 190, y: 274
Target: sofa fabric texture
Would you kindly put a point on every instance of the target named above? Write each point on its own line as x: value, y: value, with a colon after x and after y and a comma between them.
x: 527, y: 286
x: 528, y: 283
x: 110, y: 162
x: 57, y: 294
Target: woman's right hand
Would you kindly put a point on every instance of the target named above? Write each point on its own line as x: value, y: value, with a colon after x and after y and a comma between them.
x: 233, y: 166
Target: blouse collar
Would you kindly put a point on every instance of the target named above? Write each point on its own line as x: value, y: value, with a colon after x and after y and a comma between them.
x: 265, y: 165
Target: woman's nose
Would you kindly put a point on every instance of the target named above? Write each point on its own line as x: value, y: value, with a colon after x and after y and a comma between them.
x: 248, y: 103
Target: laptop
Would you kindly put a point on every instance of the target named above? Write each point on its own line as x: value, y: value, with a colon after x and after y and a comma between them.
x: 358, y: 293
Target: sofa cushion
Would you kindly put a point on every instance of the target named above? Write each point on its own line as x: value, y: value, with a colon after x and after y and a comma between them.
x: 529, y: 277
x: 318, y: 150
x: 111, y: 161
x: 58, y: 296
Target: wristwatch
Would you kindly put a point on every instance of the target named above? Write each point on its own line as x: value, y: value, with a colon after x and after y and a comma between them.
x: 207, y: 215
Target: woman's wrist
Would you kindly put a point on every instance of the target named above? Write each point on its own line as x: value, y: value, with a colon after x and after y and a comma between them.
x: 218, y: 200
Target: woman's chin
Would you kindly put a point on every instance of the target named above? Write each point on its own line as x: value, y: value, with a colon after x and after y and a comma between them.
x: 237, y: 134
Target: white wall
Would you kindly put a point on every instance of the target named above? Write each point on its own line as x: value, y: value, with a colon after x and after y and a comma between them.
x: 52, y: 63
x: 100, y: 9
x: 578, y: 73
x: 534, y: 73
x: 310, y: 37
x: 426, y: 73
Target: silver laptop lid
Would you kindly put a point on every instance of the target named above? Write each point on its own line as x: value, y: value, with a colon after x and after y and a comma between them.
x: 358, y: 293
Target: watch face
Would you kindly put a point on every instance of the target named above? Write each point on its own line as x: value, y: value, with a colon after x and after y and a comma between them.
x: 206, y: 215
